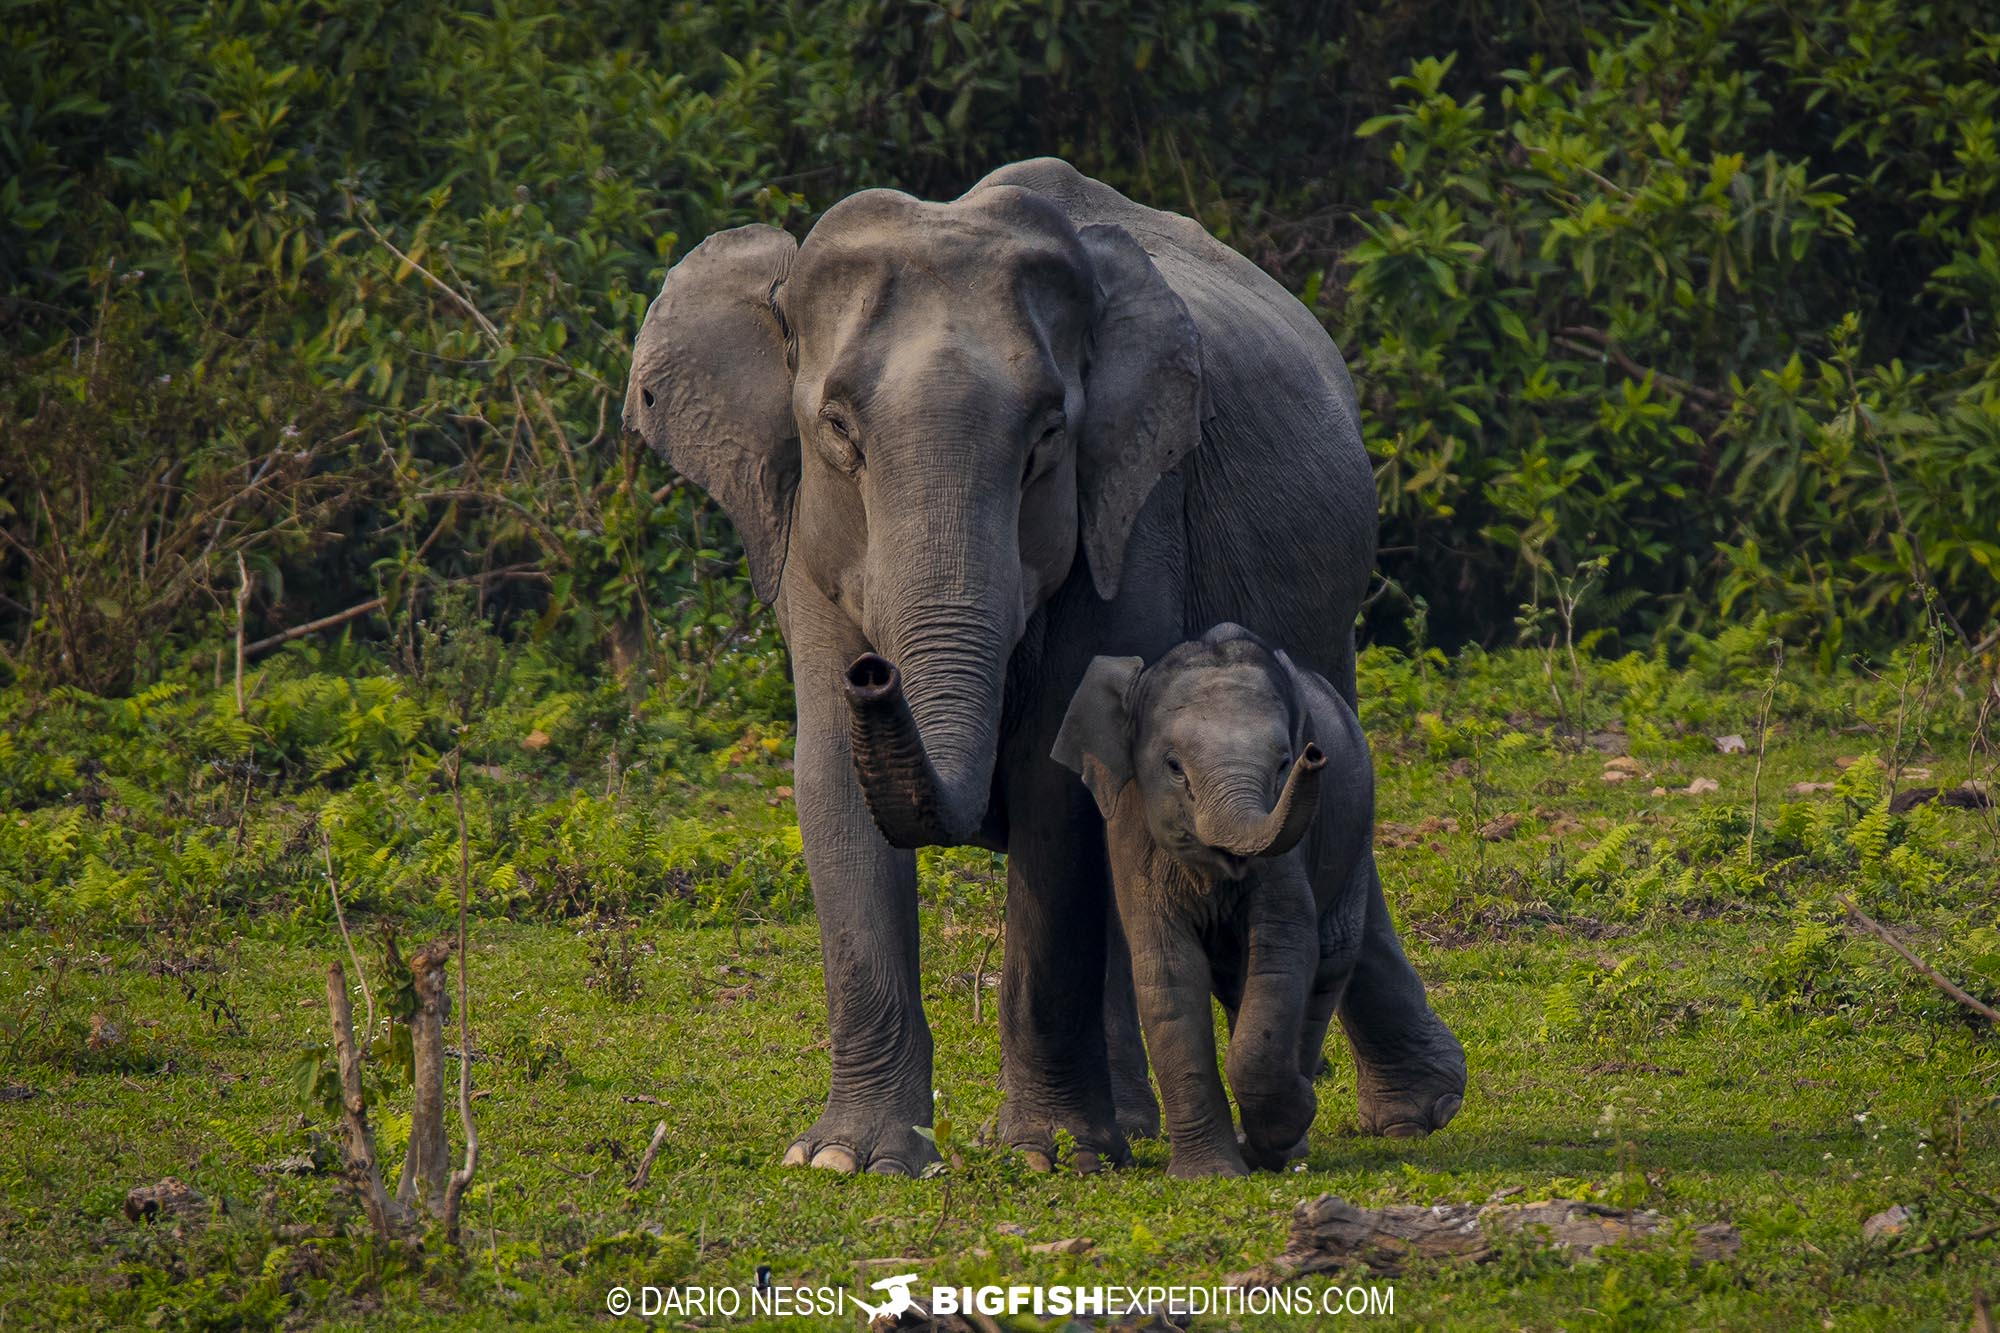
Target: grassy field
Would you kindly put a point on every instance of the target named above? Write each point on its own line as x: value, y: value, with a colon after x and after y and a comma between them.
x: 1655, y: 1014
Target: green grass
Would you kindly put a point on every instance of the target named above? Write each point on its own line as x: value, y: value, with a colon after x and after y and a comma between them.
x: 1650, y: 1015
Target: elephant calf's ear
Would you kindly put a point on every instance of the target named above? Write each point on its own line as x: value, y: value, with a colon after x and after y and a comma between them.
x: 712, y: 387
x: 1096, y: 736
x: 1143, y: 398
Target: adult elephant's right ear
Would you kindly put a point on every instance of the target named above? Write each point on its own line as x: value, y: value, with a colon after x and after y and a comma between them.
x: 1144, y: 397
x: 711, y: 387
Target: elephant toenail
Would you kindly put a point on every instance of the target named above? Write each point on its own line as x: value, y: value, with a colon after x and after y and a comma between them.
x: 796, y: 1154
x: 1086, y: 1162
x: 1445, y: 1108
x: 833, y: 1157
x: 888, y: 1166
x: 1038, y: 1161
x: 1404, y: 1129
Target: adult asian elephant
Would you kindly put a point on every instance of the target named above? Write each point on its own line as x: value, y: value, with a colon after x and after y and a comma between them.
x: 969, y: 446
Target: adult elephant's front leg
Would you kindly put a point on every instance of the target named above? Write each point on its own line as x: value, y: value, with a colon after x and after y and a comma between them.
x: 865, y: 893
x: 1052, y: 1049
x: 1409, y: 1068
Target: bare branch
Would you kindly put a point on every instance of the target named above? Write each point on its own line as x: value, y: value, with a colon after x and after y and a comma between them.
x: 645, y: 1171
x: 1930, y: 974
x: 333, y: 883
x: 455, y: 1191
x: 314, y: 626
x: 360, y: 1138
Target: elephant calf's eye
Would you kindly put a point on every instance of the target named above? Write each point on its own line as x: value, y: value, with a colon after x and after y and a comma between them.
x: 1174, y: 767
x: 646, y: 397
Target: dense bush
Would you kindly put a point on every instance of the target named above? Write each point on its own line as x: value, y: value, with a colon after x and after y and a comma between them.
x: 319, y: 304
x: 1715, y: 306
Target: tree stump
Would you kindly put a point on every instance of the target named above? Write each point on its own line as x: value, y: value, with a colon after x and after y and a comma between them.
x: 427, y: 1166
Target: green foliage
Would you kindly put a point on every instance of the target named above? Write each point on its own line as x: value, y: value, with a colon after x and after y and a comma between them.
x: 1642, y: 308
x: 323, y: 307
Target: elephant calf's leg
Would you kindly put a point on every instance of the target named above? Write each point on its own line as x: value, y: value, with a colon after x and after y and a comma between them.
x: 1409, y: 1068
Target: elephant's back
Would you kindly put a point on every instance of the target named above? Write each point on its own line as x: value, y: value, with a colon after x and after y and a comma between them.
x: 1281, y: 503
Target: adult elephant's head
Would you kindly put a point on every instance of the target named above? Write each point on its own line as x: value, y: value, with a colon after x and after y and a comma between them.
x: 923, y: 411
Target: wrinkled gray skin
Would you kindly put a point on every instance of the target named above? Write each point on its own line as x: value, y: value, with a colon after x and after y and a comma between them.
x: 959, y: 442
x: 1239, y: 804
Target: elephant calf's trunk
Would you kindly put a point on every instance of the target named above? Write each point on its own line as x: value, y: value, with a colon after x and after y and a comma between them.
x: 1279, y: 831
x: 901, y: 787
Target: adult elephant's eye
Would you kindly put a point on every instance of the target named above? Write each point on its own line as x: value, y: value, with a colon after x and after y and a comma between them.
x: 1043, y: 448
x: 1174, y: 767
x: 844, y: 448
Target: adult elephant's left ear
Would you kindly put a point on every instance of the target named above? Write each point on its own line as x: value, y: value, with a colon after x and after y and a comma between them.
x: 1144, y: 401
x: 711, y: 387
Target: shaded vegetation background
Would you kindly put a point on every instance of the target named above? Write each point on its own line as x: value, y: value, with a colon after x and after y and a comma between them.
x: 1705, y: 291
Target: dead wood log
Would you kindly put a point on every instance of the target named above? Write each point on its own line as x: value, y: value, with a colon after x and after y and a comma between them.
x: 357, y: 1137
x: 1330, y: 1233
x: 427, y: 1166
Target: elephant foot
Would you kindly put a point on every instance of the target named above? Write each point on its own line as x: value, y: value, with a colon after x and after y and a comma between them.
x: 1207, y: 1163
x: 1410, y: 1100
x: 853, y: 1140
x: 1264, y: 1160
x: 1138, y: 1111
x: 1031, y: 1129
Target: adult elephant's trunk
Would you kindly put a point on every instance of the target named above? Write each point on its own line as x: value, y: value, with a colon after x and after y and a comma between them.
x: 918, y: 799
x: 1243, y: 828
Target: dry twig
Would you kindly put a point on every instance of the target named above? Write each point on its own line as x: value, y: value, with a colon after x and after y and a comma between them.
x: 1930, y: 974
x: 645, y: 1171
x: 461, y: 1178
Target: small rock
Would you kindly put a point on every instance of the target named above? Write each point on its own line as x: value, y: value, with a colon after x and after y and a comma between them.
x: 1846, y: 761
x: 1500, y: 828
x: 535, y: 740
x: 1700, y: 785
x: 147, y: 1203
x: 1070, y: 1245
x: 1916, y: 774
x: 1615, y: 775
x: 1889, y: 1222
x: 1810, y: 788
x: 1658, y: 791
x: 1010, y: 1229
x: 1624, y: 763
x: 1730, y: 744
x: 298, y: 1164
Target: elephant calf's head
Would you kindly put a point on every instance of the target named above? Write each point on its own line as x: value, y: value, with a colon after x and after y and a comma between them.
x: 921, y: 413
x: 1214, y: 738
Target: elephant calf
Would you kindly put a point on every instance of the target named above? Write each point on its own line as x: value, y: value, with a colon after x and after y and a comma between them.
x: 1238, y: 799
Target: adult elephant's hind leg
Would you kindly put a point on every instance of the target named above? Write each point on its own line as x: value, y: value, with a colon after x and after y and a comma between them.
x: 1409, y: 1068
x: 1052, y: 1051
x: 865, y: 892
